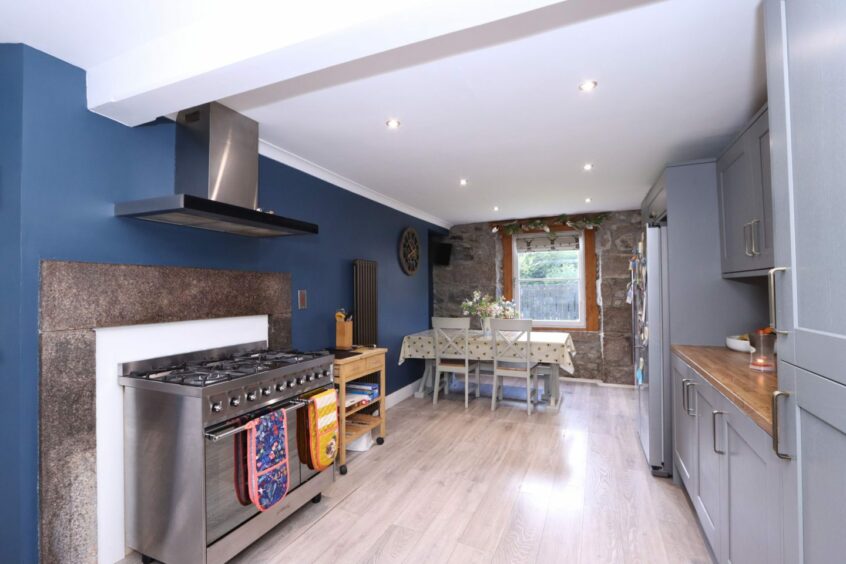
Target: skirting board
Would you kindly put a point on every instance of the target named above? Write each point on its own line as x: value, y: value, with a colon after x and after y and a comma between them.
x: 408, y: 391
x: 402, y: 394
x: 594, y: 382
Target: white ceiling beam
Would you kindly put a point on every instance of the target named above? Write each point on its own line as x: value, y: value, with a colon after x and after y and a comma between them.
x: 265, y: 43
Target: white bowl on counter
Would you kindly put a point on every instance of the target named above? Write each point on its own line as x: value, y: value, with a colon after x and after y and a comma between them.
x: 735, y: 343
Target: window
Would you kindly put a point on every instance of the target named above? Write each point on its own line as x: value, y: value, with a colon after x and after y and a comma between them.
x: 548, y: 278
x: 553, y: 282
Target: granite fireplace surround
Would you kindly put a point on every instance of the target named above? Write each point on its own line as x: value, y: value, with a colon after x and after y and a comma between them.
x: 77, y: 297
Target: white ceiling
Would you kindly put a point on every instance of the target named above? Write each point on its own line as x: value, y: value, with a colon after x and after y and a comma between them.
x: 494, y: 100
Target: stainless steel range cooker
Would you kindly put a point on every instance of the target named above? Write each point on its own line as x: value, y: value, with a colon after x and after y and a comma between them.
x: 183, y: 419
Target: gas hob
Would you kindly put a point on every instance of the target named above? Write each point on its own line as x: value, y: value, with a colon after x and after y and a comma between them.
x: 205, y: 373
x: 233, y: 381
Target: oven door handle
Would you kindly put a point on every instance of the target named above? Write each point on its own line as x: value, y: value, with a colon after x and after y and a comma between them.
x: 217, y: 436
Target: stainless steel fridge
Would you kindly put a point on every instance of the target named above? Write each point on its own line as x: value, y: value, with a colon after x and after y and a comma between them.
x: 651, y: 347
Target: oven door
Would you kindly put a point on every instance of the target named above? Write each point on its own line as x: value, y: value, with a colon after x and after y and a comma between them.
x: 224, y: 512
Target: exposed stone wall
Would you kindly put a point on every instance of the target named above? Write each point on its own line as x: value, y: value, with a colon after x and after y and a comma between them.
x: 614, y: 243
x: 604, y: 355
x: 475, y: 264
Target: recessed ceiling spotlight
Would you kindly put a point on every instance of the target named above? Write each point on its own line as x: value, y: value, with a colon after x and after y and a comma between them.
x: 587, y: 200
x: 496, y: 208
x: 588, y: 85
x: 588, y: 167
x: 463, y: 182
x: 393, y: 123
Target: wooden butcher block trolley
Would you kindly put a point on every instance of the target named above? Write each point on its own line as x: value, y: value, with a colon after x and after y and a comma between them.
x: 366, y: 366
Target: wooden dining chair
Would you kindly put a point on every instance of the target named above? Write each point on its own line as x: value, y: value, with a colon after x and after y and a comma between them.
x: 511, y: 358
x: 451, y: 354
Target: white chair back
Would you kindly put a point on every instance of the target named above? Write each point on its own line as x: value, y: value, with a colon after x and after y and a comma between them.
x: 451, y: 337
x: 508, y: 338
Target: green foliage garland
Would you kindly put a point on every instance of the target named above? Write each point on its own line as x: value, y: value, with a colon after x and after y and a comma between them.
x: 546, y: 225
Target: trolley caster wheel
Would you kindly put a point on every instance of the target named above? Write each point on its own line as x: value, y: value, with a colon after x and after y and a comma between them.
x: 317, y: 498
x: 380, y: 440
x: 147, y: 559
x: 343, y: 469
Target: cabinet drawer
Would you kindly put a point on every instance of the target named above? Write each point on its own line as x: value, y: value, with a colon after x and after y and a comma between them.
x: 351, y: 368
x: 361, y: 366
x: 375, y: 362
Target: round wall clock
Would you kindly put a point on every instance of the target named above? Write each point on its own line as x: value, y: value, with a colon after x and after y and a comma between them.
x: 409, y: 251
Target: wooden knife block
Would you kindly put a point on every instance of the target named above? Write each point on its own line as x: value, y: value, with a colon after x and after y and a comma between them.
x: 343, y: 335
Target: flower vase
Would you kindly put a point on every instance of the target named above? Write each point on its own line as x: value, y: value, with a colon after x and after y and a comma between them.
x: 486, y: 326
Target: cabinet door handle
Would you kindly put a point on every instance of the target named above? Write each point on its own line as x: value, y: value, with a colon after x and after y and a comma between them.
x: 714, y: 430
x: 772, y: 290
x: 753, y: 229
x: 746, y: 230
x: 685, y: 382
x: 690, y: 410
x: 777, y: 394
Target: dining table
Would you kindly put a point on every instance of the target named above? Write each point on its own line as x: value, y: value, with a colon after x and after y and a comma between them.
x: 555, y: 349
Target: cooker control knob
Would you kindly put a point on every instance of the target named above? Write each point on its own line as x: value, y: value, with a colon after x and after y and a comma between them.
x: 310, y: 377
x: 251, y: 396
x: 326, y: 373
x: 281, y: 386
x: 292, y: 383
x: 217, y: 406
x: 235, y: 402
x: 266, y: 391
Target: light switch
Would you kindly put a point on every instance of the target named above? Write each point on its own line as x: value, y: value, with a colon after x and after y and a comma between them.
x: 302, y: 299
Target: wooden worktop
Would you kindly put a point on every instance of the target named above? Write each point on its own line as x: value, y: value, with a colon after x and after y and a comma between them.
x: 728, y: 371
x: 363, y: 352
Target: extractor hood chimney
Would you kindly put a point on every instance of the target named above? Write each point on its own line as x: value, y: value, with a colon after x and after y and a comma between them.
x: 216, y: 185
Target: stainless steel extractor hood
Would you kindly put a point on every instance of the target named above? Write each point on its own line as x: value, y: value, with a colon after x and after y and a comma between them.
x: 216, y: 185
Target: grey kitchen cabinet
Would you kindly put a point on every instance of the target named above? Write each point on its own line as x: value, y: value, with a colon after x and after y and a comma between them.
x: 813, y: 435
x: 731, y: 472
x: 708, y: 491
x: 806, y: 81
x: 751, y: 477
x: 745, y: 200
x: 684, y: 420
x: 808, y: 171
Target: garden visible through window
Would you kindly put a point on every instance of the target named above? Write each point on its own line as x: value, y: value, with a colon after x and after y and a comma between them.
x: 549, y: 280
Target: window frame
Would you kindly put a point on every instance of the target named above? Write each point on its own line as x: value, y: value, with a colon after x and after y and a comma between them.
x: 592, y: 320
x: 579, y: 323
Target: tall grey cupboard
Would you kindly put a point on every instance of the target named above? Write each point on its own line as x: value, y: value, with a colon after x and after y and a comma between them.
x: 806, y: 76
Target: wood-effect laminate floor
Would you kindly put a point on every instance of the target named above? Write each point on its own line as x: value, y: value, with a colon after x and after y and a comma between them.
x: 451, y: 485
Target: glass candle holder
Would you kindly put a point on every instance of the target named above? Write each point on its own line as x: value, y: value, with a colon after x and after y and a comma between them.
x: 762, y: 357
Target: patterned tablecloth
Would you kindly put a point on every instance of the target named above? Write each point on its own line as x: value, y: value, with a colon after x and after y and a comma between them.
x: 548, y: 347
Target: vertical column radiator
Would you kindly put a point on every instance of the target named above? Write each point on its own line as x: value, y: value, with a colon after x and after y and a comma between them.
x: 365, y: 302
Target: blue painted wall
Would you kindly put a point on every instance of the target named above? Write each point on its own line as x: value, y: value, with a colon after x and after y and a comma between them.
x: 11, y: 93
x: 74, y: 165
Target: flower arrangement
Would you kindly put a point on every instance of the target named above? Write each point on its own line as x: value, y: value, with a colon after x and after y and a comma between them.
x: 482, y: 306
